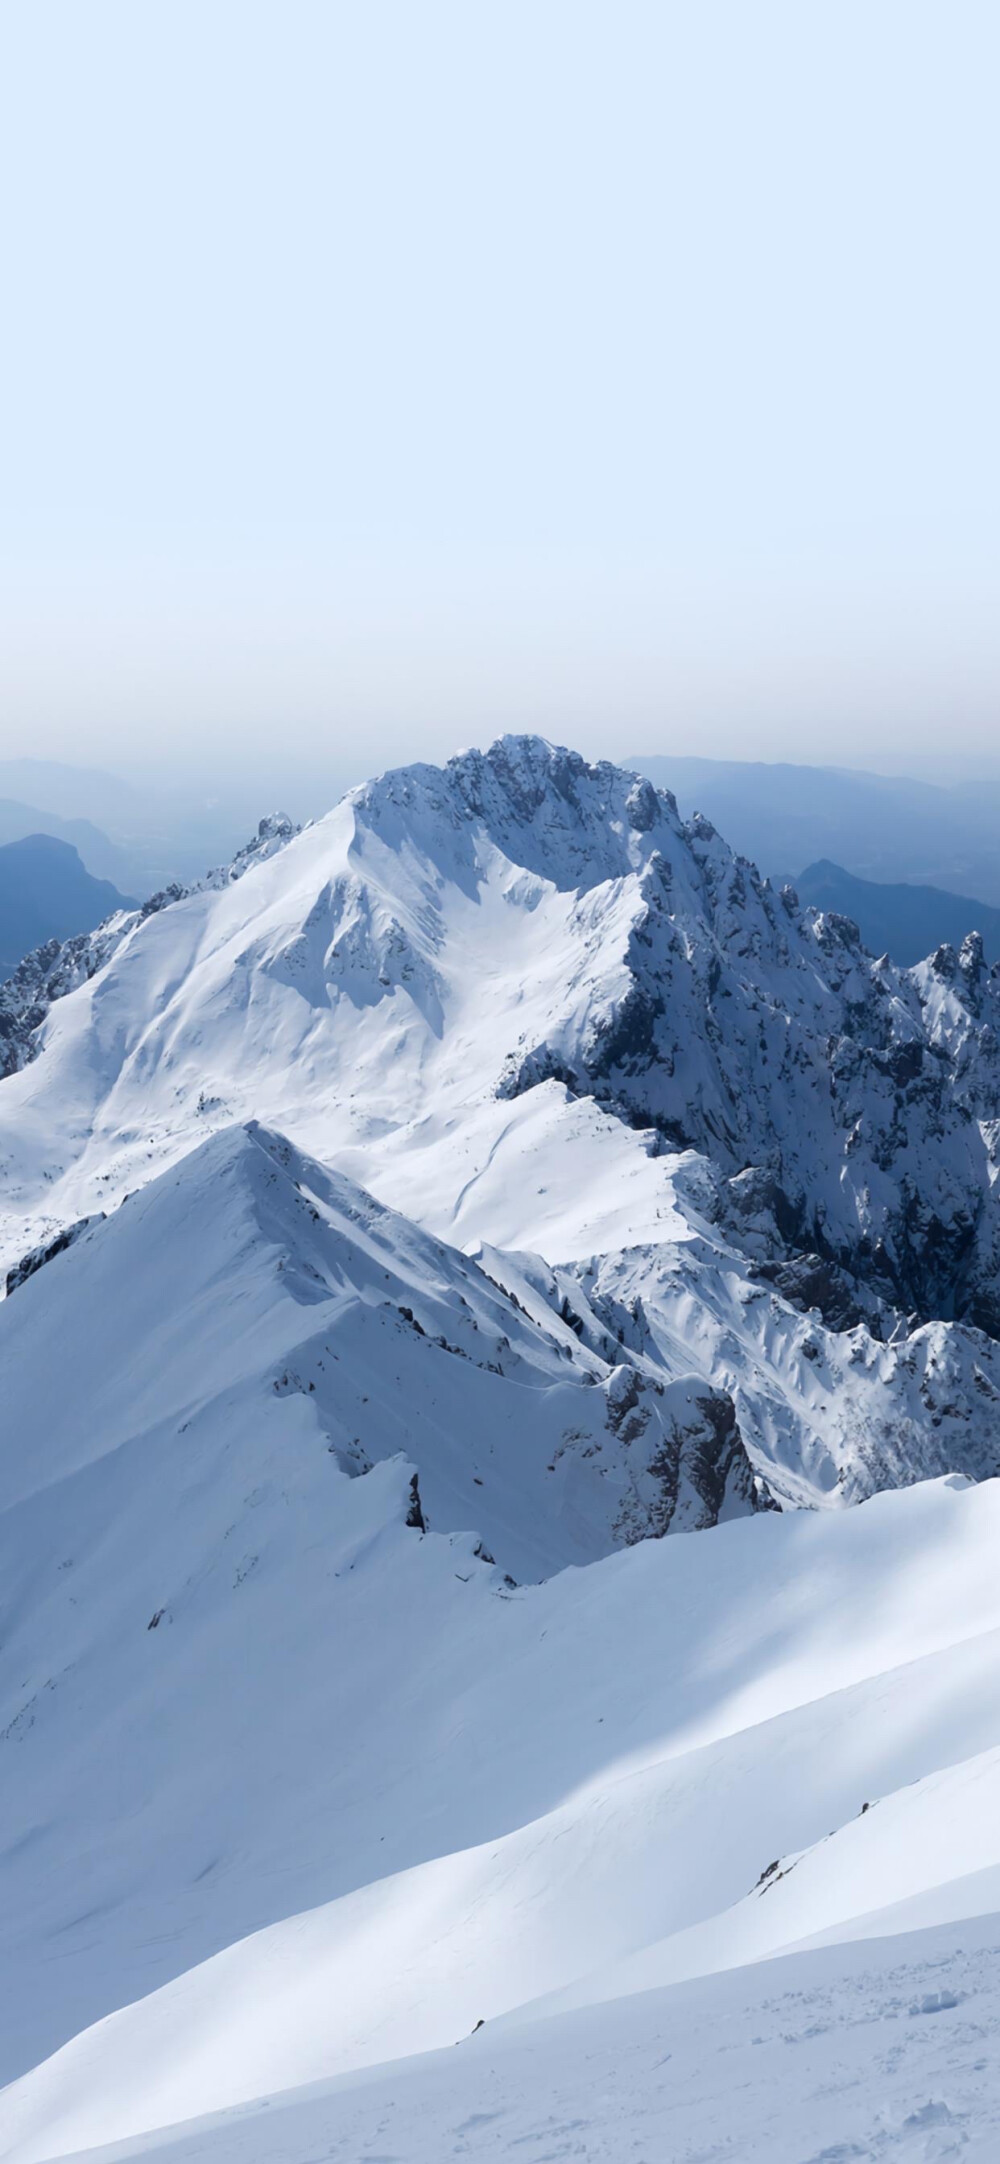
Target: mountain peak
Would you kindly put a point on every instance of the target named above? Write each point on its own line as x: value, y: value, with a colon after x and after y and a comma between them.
x: 460, y: 964
x: 550, y: 810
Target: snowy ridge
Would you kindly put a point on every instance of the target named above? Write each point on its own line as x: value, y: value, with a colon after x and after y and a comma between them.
x: 347, y: 1294
x: 262, y: 1372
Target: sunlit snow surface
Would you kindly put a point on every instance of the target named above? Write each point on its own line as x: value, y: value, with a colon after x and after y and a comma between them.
x: 577, y: 1791
x: 883, y: 2050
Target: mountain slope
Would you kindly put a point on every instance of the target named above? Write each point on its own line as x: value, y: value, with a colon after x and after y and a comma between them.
x: 49, y: 972
x: 635, y: 1744
x: 45, y: 893
x: 907, y: 922
x: 857, y: 2052
x: 829, y: 1409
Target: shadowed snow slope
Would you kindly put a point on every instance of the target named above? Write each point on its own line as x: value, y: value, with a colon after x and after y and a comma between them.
x: 576, y: 1776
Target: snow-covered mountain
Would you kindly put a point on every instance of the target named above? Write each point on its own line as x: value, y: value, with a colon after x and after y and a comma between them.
x: 526, y: 1005
x: 445, y: 941
x: 399, y: 1228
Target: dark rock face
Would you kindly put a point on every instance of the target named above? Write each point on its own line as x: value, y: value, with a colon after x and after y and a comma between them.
x: 690, y: 1467
x: 37, y: 1258
x: 811, y: 1281
x: 415, y: 1513
x: 716, y: 1460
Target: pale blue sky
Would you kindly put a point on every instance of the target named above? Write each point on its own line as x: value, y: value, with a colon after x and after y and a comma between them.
x: 415, y: 370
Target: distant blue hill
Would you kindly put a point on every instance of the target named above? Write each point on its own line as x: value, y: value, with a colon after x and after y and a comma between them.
x: 46, y: 893
x: 98, y: 854
x: 906, y: 922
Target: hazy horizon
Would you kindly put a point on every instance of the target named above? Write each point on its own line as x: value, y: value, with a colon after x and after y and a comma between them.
x: 232, y: 798
x: 382, y: 380
x: 307, y: 786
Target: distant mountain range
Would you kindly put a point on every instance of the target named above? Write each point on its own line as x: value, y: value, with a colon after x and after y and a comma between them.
x: 97, y: 852
x: 888, y: 830
x: 46, y: 893
x: 904, y: 921
x: 879, y: 827
x: 141, y: 839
